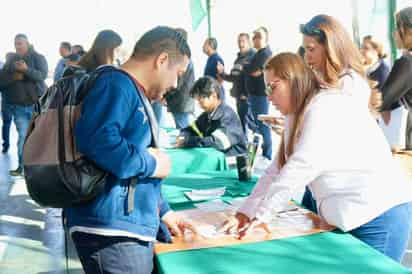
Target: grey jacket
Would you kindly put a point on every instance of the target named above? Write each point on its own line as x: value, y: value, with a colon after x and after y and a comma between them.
x: 179, y: 100
x: 26, y: 91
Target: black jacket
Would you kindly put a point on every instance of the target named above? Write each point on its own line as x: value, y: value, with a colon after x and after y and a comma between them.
x: 26, y: 91
x: 256, y: 85
x: 179, y: 100
x: 221, y: 129
x: 398, y: 86
x: 237, y: 75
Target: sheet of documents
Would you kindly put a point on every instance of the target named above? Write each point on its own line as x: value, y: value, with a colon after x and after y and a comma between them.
x: 213, y: 206
x: 205, y: 194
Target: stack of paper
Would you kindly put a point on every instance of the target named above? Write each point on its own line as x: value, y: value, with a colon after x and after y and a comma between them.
x: 213, y: 206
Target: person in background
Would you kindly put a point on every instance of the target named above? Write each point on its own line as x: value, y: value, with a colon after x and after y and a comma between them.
x: 256, y: 87
x: 22, y: 82
x: 101, y: 51
x: 392, y: 123
x: 115, y: 232
x: 65, y: 50
x: 337, y: 63
x: 78, y: 49
x: 238, y: 78
x: 213, y: 59
x: 179, y: 102
x: 398, y: 86
x: 6, y: 119
x: 218, y: 126
x: 347, y: 172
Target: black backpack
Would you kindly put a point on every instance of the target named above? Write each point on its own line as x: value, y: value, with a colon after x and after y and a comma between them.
x: 56, y: 174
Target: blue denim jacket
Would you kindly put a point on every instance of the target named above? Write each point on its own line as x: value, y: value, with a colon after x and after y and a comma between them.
x: 114, y: 132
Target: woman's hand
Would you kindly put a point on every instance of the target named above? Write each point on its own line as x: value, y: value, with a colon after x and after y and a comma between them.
x: 242, y: 225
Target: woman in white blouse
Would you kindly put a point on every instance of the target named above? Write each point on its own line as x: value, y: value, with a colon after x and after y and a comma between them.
x: 332, y: 144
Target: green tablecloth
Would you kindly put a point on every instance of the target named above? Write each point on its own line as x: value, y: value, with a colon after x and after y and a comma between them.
x: 324, y: 253
x: 196, y: 160
x: 173, y: 187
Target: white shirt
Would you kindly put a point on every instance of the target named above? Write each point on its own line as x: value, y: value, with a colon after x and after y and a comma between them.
x: 343, y: 156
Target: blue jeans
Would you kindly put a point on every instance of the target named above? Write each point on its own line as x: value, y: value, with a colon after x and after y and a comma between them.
x: 159, y: 110
x: 308, y: 201
x: 113, y: 255
x: 260, y: 105
x: 389, y: 232
x: 182, y: 119
x: 243, y: 110
x: 7, y: 117
x: 21, y: 116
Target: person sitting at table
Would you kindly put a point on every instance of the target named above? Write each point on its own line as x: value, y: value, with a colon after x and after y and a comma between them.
x: 218, y: 126
x: 358, y: 186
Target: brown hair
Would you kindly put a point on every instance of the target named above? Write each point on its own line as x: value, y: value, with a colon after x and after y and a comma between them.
x: 341, y: 53
x: 303, y: 87
x: 376, y: 45
x: 404, y: 26
x: 101, y: 51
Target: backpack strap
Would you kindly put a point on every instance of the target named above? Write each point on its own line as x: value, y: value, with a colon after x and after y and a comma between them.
x: 154, y: 128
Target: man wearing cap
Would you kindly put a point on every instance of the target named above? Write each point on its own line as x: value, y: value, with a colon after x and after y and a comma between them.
x: 22, y: 82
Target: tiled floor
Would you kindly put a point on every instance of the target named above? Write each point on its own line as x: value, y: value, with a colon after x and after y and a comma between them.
x: 31, y: 237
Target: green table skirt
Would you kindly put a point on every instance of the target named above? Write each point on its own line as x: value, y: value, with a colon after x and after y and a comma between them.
x: 324, y: 253
x: 196, y: 160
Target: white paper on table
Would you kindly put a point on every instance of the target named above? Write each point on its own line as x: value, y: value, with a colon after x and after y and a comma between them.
x: 205, y: 194
x: 212, y: 206
x: 237, y: 202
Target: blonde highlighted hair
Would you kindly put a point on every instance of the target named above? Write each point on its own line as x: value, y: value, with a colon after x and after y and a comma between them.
x: 341, y: 53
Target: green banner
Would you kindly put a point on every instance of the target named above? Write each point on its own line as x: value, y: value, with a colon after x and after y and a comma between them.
x: 198, y: 13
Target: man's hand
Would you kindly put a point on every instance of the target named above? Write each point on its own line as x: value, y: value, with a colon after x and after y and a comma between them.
x: 180, y: 140
x: 177, y: 224
x: 220, y: 68
x: 21, y: 66
x: 17, y: 76
x: 256, y: 73
x: 163, y: 163
x: 386, y: 116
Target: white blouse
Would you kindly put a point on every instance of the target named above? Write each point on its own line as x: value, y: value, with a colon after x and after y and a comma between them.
x: 343, y: 156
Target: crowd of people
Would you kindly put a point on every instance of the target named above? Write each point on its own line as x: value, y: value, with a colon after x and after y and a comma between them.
x: 331, y: 144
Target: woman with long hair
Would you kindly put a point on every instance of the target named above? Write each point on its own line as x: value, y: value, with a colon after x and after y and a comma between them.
x: 101, y: 52
x: 346, y: 172
x: 398, y: 87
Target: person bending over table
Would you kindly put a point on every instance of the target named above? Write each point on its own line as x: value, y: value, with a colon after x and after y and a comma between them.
x: 358, y: 186
x: 218, y: 126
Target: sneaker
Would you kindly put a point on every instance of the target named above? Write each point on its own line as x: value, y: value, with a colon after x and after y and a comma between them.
x: 17, y: 172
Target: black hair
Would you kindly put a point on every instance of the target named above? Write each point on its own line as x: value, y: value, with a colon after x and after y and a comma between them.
x: 66, y: 45
x: 162, y: 39
x: 21, y: 36
x: 205, y: 87
x: 212, y: 43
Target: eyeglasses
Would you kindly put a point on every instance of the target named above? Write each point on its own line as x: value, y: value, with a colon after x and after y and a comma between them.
x: 269, y: 88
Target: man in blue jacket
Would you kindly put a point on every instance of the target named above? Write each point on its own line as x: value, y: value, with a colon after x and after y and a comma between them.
x: 117, y: 130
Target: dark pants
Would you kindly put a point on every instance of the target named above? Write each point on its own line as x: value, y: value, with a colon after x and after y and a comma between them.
x: 243, y: 110
x: 113, y: 255
x: 260, y: 105
x: 7, y: 117
x: 21, y: 116
x: 182, y: 119
x: 389, y: 232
